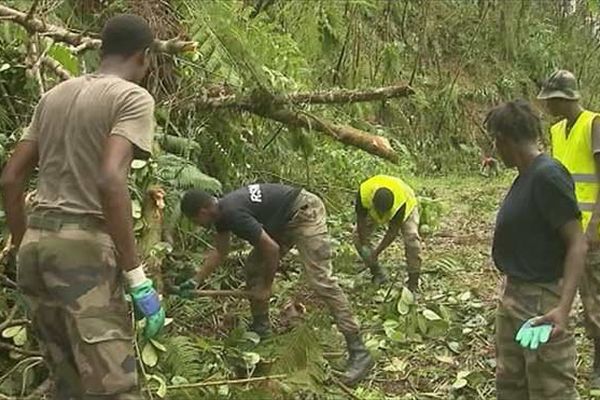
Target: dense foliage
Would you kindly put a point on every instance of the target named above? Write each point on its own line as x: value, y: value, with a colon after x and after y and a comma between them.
x: 460, y: 57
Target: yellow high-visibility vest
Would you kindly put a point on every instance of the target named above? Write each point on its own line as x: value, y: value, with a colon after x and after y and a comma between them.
x: 403, y: 194
x: 575, y: 153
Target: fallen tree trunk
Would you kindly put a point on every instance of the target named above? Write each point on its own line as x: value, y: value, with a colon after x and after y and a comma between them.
x: 340, y: 96
x: 81, y: 42
x: 373, y: 144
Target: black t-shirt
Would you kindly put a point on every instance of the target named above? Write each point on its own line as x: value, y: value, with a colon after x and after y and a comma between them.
x: 248, y: 210
x: 527, y: 240
x: 361, y: 211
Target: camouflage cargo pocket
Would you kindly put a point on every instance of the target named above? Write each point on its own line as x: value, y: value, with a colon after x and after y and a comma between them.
x: 104, y: 354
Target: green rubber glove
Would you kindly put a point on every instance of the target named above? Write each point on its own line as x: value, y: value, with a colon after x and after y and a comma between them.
x: 531, y: 337
x: 147, y: 305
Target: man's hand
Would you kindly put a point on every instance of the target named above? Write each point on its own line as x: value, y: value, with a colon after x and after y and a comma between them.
x: 557, y: 317
x: 146, y: 302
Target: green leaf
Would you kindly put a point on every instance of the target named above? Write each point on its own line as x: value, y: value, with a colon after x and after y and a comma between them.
x: 138, y: 164
x: 250, y: 358
x: 12, y: 331
x: 252, y: 337
x: 162, y: 385
x: 403, y: 308
x: 459, y: 383
x: 4, y: 67
x: 430, y: 315
x: 158, y: 346
x: 406, y: 299
x: 454, y: 346
x: 389, y: 327
x: 21, y: 337
x: 136, y: 209
x: 149, y: 356
x: 162, y: 390
x: 64, y: 57
x: 407, y: 296
x: 179, y: 380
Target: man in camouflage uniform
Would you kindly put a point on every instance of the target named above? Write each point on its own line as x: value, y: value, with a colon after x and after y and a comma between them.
x: 273, y: 218
x: 540, y: 248
x: 77, y: 244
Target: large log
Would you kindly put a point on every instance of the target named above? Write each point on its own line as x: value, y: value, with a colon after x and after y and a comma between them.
x: 373, y: 144
x: 340, y: 96
x: 79, y: 41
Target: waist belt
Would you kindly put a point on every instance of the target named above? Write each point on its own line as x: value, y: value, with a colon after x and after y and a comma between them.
x: 55, y: 222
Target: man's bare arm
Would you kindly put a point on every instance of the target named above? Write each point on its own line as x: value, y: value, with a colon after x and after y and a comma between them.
x: 390, y: 236
x: 215, y: 257
x: 573, y: 269
x: 14, y: 179
x: 115, y: 199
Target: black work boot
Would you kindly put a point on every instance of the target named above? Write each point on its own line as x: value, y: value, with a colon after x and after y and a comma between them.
x: 360, y: 361
x: 595, y: 377
x: 379, y: 276
x: 413, y: 282
x: 261, y: 325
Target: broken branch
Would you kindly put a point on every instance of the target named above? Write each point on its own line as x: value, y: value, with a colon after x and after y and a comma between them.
x: 373, y: 144
x: 81, y: 42
x: 227, y: 382
x: 340, y: 96
x: 224, y: 293
x: 56, y: 67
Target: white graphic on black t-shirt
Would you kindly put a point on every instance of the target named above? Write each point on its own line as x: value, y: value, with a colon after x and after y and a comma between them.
x: 255, y: 193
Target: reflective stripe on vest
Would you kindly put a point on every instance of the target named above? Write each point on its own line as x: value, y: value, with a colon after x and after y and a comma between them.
x: 575, y: 153
x: 403, y: 195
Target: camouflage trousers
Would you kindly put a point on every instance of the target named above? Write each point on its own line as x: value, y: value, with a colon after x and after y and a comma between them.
x: 307, y: 230
x: 545, y: 374
x: 589, y: 291
x: 411, y: 238
x: 75, y: 296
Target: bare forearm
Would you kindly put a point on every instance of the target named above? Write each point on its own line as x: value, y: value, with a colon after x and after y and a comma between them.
x: 14, y: 206
x: 389, y: 237
x: 211, y: 262
x: 574, y: 265
x: 116, y: 205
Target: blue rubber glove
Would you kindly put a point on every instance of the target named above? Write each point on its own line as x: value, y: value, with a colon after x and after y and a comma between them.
x: 147, y: 305
x: 364, y: 252
x: 531, y: 337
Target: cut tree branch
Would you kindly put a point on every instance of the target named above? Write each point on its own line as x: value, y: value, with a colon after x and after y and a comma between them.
x: 227, y: 382
x: 373, y: 144
x: 56, y: 67
x: 81, y: 42
x: 224, y: 293
x: 340, y: 96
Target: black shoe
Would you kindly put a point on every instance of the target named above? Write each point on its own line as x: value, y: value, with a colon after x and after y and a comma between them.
x: 379, y: 276
x: 413, y: 282
x: 360, y: 361
x: 261, y: 326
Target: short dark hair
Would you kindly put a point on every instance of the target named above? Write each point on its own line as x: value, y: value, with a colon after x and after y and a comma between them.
x: 194, y: 200
x: 126, y: 34
x: 383, y: 200
x: 516, y: 120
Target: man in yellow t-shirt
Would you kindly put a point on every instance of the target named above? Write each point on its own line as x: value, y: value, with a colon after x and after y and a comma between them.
x: 387, y: 200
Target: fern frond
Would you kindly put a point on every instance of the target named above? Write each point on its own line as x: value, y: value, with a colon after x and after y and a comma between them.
x: 183, y: 358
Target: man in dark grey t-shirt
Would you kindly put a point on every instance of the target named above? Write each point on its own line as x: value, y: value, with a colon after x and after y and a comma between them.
x: 273, y: 218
